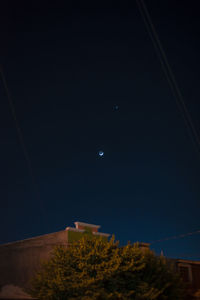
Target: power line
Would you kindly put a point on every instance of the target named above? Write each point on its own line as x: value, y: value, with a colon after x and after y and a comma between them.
x: 176, y: 237
x: 169, y: 74
x: 188, y: 255
x: 19, y: 132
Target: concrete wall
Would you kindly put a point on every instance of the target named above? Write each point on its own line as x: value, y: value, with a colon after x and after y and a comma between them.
x: 20, y: 260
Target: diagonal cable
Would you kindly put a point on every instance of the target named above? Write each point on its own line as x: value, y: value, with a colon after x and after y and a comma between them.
x: 19, y: 132
x: 175, y: 237
x: 169, y: 74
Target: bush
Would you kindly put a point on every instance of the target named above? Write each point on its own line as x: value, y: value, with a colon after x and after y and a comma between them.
x: 94, y: 269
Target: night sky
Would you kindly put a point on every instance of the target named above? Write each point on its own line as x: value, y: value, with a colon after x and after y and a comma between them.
x: 86, y: 78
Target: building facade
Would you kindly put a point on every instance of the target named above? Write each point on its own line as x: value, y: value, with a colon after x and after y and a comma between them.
x: 190, y: 273
x: 20, y: 260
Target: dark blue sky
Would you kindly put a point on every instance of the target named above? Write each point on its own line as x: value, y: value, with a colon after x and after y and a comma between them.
x: 66, y: 68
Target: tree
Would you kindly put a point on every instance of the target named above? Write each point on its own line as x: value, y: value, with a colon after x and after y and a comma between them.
x: 95, y: 269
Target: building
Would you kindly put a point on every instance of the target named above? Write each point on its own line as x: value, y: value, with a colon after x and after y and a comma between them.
x: 20, y: 260
x: 190, y: 273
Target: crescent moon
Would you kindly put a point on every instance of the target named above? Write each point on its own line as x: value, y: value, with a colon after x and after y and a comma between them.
x: 101, y: 153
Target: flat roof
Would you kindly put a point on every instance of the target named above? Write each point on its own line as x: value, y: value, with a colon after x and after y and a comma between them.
x: 196, y: 262
x: 86, y: 224
x: 30, y: 239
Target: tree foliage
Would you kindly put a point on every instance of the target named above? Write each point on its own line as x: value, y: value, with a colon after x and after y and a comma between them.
x: 95, y: 269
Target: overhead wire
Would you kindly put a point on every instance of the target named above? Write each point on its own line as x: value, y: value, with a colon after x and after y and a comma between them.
x: 169, y: 74
x: 19, y: 133
x: 175, y: 237
x: 188, y: 255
